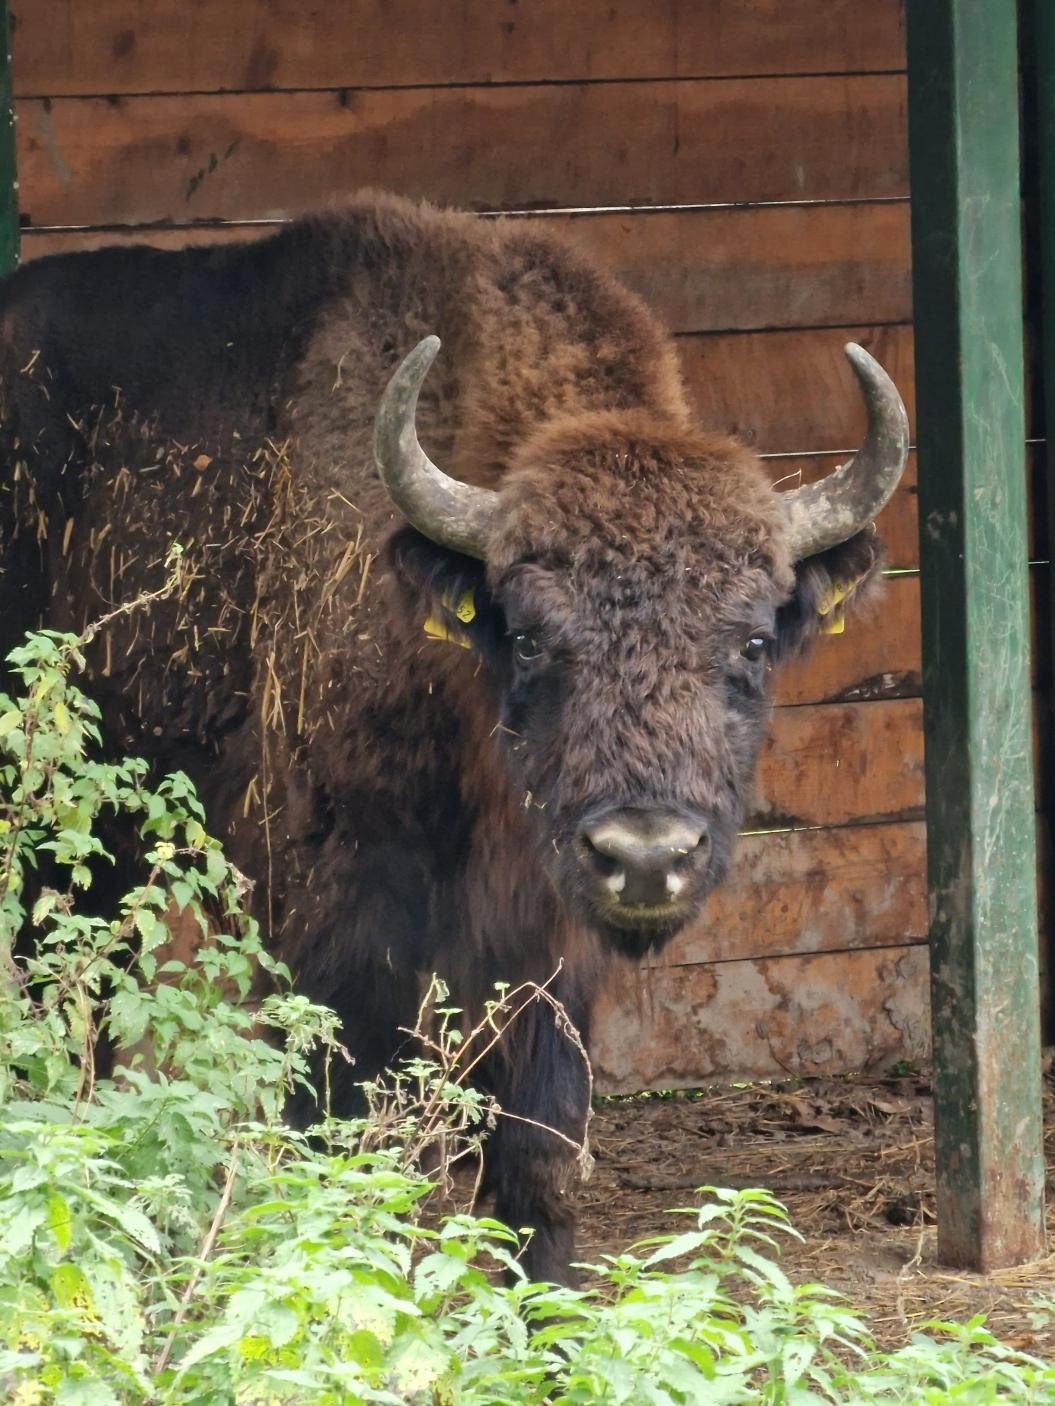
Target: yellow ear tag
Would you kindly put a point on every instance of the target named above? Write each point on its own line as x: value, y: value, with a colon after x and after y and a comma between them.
x: 833, y: 620
x: 466, y: 607
x: 465, y: 611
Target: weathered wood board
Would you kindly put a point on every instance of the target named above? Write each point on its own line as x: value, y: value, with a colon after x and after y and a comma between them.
x: 878, y: 654
x: 841, y: 763
x: 804, y: 891
x: 792, y: 391
x: 677, y: 1027
x: 256, y: 155
x: 65, y: 47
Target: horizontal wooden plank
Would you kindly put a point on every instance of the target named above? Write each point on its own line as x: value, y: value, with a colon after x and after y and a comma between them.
x: 256, y: 155
x: 828, y: 764
x: 792, y: 391
x: 123, y: 46
x: 700, y: 270
x: 813, y: 891
x: 39, y: 243
x: 803, y: 395
x: 878, y: 653
x: 746, y: 269
x: 679, y: 1027
x: 840, y: 764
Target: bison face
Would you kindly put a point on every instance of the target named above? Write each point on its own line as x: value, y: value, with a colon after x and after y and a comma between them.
x: 627, y: 589
x: 635, y: 598
x: 633, y: 701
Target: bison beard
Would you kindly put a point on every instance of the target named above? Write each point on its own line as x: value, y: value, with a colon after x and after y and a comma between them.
x: 567, y: 786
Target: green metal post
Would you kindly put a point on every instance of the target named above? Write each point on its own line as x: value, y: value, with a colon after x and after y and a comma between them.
x: 963, y: 141
x: 1039, y: 81
x: 8, y: 178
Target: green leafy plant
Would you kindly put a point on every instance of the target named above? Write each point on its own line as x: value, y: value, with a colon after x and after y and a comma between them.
x: 165, y: 1236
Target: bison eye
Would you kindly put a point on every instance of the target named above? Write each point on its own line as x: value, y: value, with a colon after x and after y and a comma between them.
x: 527, y: 647
x: 754, y: 648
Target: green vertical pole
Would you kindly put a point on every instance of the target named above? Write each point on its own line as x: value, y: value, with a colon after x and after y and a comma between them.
x: 1039, y: 34
x: 8, y: 178
x: 963, y: 142
x: 1041, y: 17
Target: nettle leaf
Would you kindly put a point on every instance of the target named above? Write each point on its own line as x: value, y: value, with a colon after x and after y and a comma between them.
x: 765, y: 1270
x: 279, y: 1324
x: 182, y: 893
x: 27, y: 1177
x: 131, y: 1220
x: 44, y: 906
x: 116, y: 1304
x: 59, y: 1220
x: 71, y: 1289
x: 438, y: 1273
x: 19, y: 1225
x: 150, y: 929
x: 216, y: 1340
x: 129, y: 1015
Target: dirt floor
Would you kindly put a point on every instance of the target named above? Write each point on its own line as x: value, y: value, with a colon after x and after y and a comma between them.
x: 851, y: 1159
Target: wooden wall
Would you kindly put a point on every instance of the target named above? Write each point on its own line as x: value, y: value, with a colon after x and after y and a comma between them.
x: 742, y: 163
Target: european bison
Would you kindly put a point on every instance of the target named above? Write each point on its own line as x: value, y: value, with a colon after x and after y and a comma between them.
x: 567, y: 787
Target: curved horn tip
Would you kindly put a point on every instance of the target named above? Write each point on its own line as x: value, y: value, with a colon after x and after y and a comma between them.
x: 430, y: 345
x: 857, y: 356
x: 869, y: 372
x: 420, y: 358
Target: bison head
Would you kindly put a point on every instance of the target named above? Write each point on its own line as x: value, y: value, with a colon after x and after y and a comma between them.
x: 629, y: 588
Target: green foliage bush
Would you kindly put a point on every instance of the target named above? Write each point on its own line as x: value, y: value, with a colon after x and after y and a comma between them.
x: 164, y: 1237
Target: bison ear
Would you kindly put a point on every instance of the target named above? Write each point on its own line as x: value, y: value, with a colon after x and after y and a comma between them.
x: 828, y: 587
x: 446, y: 591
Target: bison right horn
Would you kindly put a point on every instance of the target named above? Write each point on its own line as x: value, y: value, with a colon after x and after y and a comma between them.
x: 450, y: 513
x: 821, y: 515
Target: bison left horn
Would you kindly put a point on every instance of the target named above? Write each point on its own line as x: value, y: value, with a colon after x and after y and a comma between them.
x: 450, y: 513
x: 821, y: 515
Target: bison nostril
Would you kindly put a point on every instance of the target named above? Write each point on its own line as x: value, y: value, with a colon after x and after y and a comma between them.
x: 686, y: 859
x: 602, y: 863
x: 643, y: 857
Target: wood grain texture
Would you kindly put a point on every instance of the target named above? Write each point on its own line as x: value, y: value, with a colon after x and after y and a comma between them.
x: 813, y: 891
x: 792, y: 391
x: 700, y: 270
x: 681, y: 1027
x: 878, y: 654
x: 840, y: 764
x: 244, y: 156
x: 125, y: 46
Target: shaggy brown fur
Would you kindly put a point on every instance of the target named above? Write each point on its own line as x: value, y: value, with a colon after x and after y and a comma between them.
x: 406, y: 805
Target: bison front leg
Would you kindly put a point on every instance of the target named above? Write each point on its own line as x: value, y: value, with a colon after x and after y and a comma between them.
x: 534, y: 1157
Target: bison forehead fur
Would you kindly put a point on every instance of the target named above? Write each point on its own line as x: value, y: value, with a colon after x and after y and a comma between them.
x: 492, y: 813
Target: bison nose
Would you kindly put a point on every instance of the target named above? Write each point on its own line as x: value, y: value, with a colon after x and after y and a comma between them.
x: 642, y: 857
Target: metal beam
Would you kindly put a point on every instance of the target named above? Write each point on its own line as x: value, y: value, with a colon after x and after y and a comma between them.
x: 1037, y: 38
x: 964, y: 152
x: 8, y: 176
